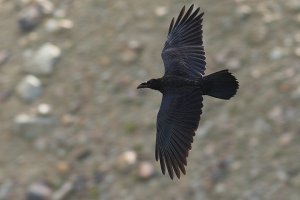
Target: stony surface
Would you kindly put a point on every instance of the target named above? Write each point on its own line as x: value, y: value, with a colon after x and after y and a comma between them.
x: 245, y: 148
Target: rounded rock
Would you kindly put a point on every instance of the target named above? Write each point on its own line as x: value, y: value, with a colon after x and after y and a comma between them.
x: 126, y: 159
x: 38, y: 191
x: 29, y: 88
x: 42, y: 61
x: 146, y: 170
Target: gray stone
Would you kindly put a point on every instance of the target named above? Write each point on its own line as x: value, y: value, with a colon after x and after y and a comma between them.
x: 39, y: 191
x: 244, y: 11
x: 277, y: 53
x: 52, y: 25
x: 282, y: 175
x: 29, y: 88
x: 42, y: 61
x: 31, y: 126
x: 29, y: 18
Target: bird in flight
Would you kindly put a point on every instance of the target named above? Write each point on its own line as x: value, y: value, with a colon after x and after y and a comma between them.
x: 183, y: 86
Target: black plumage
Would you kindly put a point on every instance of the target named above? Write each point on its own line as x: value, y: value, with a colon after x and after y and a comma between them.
x: 183, y: 86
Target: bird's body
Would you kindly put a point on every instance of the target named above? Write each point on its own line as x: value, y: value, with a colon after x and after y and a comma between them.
x: 169, y: 82
x: 182, y: 87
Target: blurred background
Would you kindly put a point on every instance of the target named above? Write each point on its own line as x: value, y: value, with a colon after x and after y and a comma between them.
x: 73, y: 125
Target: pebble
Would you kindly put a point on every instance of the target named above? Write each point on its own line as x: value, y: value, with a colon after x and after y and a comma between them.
x: 220, y: 188
x: 276, y: 53
x: 42, y: 61
x: 31, y: 126
x: 135, y: 45
x: 56, y: 25
x: 146, y: 170
x: 244, y: 11
x: 66, y: 24
x: 161, y: 11
x: 63, y: 167
x: 4, y: 56
x: 46, y: 6
x: 282, y: 175
x: 52, y: 25
x: 29, y: 18
x: 29, y: 89
x: 44, y: 109
x: 126, y: 159
x: 39, y: 191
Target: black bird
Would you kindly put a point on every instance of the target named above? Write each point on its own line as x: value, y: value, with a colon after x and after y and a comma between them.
x: 182, y: 87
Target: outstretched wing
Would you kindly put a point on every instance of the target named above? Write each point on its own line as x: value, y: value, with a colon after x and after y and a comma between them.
x: 177, y: 121
x: 183, y: 53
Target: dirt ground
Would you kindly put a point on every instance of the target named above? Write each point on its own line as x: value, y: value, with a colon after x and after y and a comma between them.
x: 246, y: 148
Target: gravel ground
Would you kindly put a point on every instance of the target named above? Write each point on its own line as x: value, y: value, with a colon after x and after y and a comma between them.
x: 73, y: 125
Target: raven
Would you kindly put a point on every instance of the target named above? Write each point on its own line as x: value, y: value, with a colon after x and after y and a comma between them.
x: 182, y: 87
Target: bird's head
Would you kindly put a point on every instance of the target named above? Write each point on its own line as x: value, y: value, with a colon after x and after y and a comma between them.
x: 154, y: 84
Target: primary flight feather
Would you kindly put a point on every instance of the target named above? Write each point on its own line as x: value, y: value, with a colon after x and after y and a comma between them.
x: 182, y: 87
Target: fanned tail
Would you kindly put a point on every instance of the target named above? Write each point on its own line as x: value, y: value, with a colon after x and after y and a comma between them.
x: 221, y: 84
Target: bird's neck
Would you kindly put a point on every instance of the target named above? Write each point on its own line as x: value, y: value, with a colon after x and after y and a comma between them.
x: 157, y: 84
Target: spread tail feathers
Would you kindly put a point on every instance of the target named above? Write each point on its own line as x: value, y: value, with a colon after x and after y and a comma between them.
x: 221, y: 84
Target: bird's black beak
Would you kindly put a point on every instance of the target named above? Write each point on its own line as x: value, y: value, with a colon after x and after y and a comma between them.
x: 143, y: 85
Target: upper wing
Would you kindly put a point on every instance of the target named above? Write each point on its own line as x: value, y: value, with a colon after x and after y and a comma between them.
x: 183, y: 53
x: 177, y: 121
